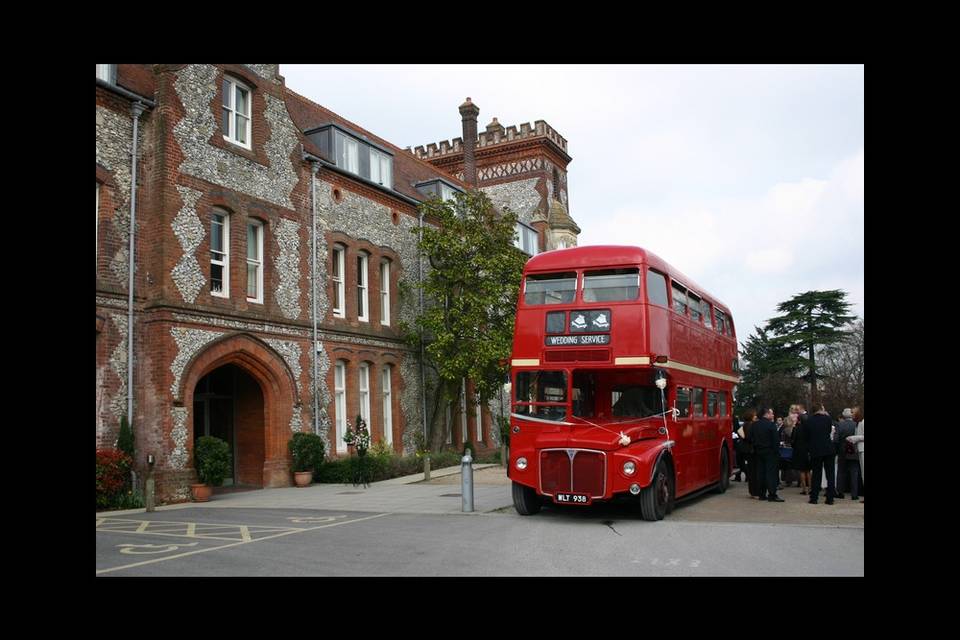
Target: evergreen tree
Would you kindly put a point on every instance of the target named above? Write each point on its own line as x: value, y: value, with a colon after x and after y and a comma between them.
x: 809, y: 320
x: 471, y: 290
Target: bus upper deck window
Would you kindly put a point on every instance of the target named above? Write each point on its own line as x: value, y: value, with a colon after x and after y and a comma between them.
x: 657, y: 288
x: 550, y: 288
x: 611, y: 285
x: 679, y: 299
x: 694, y: 303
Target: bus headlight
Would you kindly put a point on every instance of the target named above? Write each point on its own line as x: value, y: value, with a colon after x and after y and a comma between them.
x: 629, y: 467
x: 521, y: 463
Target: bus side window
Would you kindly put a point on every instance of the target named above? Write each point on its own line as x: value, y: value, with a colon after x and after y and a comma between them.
x: 657, y: 288
x: 707, y: 315
x: 683, y: 401
x: 679, y: 299
x: 698, y: 402
x: 694, y: 301
x: 712, y: 400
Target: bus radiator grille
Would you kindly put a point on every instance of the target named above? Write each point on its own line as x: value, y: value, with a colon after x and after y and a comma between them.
x: 585, y: 473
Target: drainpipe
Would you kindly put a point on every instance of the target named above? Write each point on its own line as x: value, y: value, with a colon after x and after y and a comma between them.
x: 136, y: 109
x: 314, y: 169
x: 423, y: 379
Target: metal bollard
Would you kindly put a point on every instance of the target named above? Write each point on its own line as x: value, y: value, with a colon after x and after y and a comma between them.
x: 150, y: 485
x: 466, y: 481
x: 426, y: 468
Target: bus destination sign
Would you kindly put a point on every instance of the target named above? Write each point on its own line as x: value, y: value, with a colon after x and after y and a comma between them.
x: 577, y: 340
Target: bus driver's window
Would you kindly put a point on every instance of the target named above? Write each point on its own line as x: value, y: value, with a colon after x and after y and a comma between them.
x: 584, y: 393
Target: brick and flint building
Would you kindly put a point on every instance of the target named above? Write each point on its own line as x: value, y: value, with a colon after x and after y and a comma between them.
x: 236, y: 332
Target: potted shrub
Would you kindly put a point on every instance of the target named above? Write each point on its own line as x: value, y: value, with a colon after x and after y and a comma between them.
x: 213, y: 462
x: 306, y: 449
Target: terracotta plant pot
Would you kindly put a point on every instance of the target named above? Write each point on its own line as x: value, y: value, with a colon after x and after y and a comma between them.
x: 201, y: 492
x: 303, y: 478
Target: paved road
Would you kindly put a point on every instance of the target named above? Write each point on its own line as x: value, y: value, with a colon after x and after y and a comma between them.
x: 403, y: 527
x: 616, y: 542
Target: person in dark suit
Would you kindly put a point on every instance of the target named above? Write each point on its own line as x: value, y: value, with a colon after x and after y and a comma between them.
x: 822, y: 453
x: 749, y: 457
x: 766, y: 444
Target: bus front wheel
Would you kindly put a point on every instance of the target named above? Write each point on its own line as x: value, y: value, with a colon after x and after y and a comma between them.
x: 657, y: 497
x: 525, y: 500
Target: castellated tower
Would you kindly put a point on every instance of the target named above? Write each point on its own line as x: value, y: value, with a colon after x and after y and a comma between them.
x: 522, y: 168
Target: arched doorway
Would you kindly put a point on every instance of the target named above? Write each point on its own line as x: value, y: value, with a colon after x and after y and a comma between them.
x: 266, y: 405
x: 228, y: 404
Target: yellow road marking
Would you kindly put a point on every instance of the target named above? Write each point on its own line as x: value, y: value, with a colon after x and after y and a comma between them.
x: 143, y: 526
x: 245, y: 534
x: 236, y: 544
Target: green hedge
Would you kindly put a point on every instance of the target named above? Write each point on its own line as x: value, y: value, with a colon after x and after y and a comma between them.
x: 384, y: 467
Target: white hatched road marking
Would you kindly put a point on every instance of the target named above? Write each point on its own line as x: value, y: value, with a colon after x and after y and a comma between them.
x: 284, y: 531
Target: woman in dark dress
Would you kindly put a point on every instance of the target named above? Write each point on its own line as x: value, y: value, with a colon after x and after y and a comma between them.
x: 801, y: 455
x: 788, y: 474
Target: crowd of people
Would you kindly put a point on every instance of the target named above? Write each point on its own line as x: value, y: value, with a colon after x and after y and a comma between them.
x: 799, y: 448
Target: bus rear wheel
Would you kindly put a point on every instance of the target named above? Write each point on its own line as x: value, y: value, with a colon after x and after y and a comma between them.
x: 724, y: 483
x: 656, y: 498
x: 525, y: 500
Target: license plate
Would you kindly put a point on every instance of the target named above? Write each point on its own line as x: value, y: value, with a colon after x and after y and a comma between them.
x: 572, y: 498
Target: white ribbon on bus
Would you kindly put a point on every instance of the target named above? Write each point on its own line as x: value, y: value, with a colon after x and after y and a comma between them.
x: 624, y: 438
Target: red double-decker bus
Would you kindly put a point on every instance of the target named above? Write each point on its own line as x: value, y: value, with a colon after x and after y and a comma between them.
x: 622, y: 377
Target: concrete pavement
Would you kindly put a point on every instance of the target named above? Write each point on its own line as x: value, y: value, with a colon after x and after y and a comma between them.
x: 441, y: 495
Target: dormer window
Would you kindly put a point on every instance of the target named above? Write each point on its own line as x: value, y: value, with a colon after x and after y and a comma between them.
x: 381, y: 168
x: 348, y: 154
x: 354, y: 153
x: 236, y: 112
x: 438, y: 189
x: 107, y: 73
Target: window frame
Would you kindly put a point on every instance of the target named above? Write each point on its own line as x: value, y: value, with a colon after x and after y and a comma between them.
x: 386, y: 390
x: 224, y: 263
x: 689, y: 402
x: 385, y: 292
x: 363, y: 376
x: 695, y: 307
x: 342, y: 145
x: 259, y: 226
x: 666, y: 287
x: 595, y: 274
x: 110, y: 70
x: 379, y: 158
x: 675, y: 288
x: 231, y: 134
x: 363, y: 286
x: 525, y: 233
x: 698, y: 392
x: 338, y: 262
x: 340, y: 403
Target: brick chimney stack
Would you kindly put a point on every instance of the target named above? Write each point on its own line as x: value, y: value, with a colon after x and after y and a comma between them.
x: 469, y: 113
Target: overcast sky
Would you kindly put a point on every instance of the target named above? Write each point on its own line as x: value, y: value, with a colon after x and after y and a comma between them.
x: 748, y: 179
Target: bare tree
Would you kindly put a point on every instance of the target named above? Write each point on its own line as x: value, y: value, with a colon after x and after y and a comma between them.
x: 841, y: 365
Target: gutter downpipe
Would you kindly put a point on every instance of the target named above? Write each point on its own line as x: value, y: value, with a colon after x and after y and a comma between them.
x: 423, y: 379
x: 314, y: 169
x: 137, y: 109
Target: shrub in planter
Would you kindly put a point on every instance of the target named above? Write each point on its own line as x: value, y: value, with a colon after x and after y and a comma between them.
x: 113, y: 476
x: 307, y: 451
x: 212, y: 460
